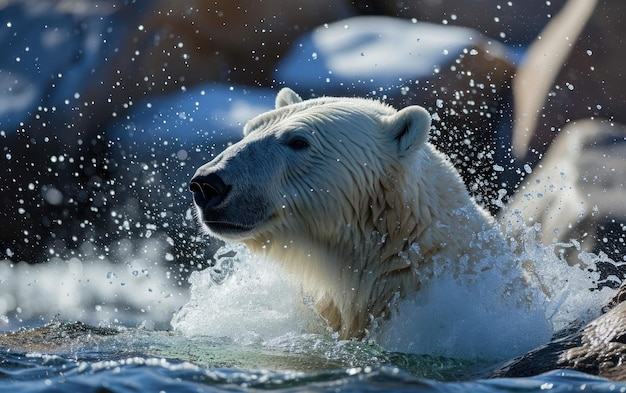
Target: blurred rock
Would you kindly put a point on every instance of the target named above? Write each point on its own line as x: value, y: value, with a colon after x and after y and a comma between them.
x: 171, y: 46
x: 602, y: 348
x: 577, y: 193
x: 512, y: 22
x: 56, y: 337
x: 178, y: 44
x: 459, y: 75
x: 599, y: 348
x: 201, y: 119
x: 587, y: 74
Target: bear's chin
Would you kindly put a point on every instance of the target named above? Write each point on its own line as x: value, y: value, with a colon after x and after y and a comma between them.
x: 232, y: 232
x: 227, y: 230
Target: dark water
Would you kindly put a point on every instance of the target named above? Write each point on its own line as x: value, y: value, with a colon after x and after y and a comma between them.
x: 75, y: 358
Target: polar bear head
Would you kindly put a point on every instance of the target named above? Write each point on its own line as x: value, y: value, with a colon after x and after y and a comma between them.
x: 349, y: 196
x: 309, y: 170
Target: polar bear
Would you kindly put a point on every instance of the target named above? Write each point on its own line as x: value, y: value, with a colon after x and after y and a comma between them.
x: 351, y: 198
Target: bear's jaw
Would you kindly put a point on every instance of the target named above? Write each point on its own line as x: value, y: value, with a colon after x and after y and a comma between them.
x: 233, y: 231
x: 227, y: 230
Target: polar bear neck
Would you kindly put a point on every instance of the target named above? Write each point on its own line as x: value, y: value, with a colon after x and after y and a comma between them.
x: 415, y: 216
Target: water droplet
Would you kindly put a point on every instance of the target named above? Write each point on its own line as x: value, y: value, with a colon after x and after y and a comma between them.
x: 528, y: 169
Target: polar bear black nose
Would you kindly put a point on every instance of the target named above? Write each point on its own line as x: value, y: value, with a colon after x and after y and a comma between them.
x: 208, y: 190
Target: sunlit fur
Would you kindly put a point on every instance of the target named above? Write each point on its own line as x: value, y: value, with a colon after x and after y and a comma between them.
x: 361, y: 216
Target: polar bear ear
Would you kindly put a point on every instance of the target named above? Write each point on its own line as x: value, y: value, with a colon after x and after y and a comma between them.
x: 409, y: 129
x: 286, y: 96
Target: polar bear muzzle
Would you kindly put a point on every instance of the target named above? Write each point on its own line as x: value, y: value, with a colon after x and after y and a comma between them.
x: 208, y: 190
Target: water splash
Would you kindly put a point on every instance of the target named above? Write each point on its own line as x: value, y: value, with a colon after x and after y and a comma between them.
x: 254, y: 301
x: 244, y: 298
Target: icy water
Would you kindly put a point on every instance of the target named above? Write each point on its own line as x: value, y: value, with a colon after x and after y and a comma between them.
x: 166, y: 362
x: 243, y: 325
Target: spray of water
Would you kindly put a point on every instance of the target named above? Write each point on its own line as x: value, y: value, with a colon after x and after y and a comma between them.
x: 480, y: 316
x: 243, y: 298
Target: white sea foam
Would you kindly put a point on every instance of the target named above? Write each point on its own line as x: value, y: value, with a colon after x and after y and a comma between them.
x: 93, y: 290
x: 244, y: 298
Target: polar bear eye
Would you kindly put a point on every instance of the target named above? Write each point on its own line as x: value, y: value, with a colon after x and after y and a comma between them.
x: 298, y: 143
